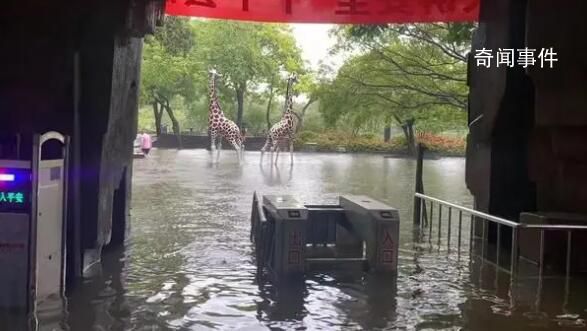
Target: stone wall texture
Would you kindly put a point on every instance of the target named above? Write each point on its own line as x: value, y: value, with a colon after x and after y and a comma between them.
x: 74, y: 67
x: 526, y: 147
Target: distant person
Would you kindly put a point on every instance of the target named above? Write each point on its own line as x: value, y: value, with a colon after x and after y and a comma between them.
x: 146, y: 143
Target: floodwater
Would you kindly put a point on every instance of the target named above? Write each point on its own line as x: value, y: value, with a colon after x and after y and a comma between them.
x: 188, y: 264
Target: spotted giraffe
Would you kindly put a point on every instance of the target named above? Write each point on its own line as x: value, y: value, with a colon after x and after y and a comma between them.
x: 286, y: 127
x: 220, y: 126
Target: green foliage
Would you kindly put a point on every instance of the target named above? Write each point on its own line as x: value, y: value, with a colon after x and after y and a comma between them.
x: 399, y: 74
x: 453, y: 34
x: 443, y: 144
x: 460, y: 33
x: 307, y: 136
x: 332, y: 140
x: 165, y: 75
x: 395, y: 73
x: 168, y: 69
x: 176, y: 36
x: 177, y: 58
x: 247, y: 54
x: 234, y: 48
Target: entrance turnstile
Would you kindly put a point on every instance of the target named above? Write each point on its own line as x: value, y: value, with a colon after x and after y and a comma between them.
x: 291, y: 238
x: 32, y: 225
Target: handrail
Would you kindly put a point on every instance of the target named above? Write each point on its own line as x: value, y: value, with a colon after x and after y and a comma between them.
x: 515, y: 253
x: 470, y: 211
x: 553, y: 226
x: 477, y: 119
x: 503, y: 221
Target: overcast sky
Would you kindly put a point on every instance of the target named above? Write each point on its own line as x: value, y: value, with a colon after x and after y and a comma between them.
x: 315, y: 43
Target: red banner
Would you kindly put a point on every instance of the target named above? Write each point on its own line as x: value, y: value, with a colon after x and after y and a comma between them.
x: 329, y: 11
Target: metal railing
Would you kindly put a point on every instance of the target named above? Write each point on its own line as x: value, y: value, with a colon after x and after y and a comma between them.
x: 475, y: 217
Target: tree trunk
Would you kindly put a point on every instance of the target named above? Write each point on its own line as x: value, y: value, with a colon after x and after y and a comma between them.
x: 387, y: 133
x: 175, y: 124
x: 269, y: 107
x: 303, y: 113
x: 240, y: 99
x: 406, y: 135
x: 408, y: 128
x: 157, y: 112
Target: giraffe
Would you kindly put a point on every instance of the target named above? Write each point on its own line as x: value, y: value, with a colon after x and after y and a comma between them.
x: 286, y: 127
x: 219, y: 125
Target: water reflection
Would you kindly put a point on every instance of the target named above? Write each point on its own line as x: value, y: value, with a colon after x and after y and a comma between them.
x: 527, y: 299
x: 282, y: 301
x: 272, y: 174
x: 109, y: 307
x: 188, y: 264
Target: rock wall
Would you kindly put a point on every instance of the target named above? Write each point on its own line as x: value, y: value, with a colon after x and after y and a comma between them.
x: 526, y: 147
x: 558, y: 158
x: 500, y: 116
x: 74, y: 67
x: 122, y: 125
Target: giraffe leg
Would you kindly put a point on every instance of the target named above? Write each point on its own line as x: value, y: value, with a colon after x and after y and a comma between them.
x: 264, y: 149
x: 212, y: 142
x: 219, y: 147
x: 274, y: 147
x: 237, y: 148
x: 241, y: 149
x: 277, y: 150
x: 291, y: 151
x: 291, y: 147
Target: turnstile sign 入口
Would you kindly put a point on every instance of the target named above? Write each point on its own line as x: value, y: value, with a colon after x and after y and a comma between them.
x: 387, y: 248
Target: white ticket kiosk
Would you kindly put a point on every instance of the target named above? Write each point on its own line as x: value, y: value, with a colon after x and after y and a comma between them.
x: 32, y: 225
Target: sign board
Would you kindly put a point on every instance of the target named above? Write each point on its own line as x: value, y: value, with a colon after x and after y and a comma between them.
x: 294, y: 255
x: 387, y: 249
x: 387, y: 245
x: 329, y: 11
x: 15, y: 190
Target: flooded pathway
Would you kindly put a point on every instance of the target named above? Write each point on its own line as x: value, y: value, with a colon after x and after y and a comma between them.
x: 188, y: 263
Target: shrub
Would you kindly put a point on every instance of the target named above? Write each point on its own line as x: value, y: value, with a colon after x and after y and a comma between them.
x: 307, y: 136
x: 329, y: 141
x: 369, y: 136
x: 442, y: 144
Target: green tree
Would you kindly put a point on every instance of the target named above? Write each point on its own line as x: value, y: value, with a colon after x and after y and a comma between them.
x: 283, y: 56
x: 309, y: 87
x: 168, y: 69
x: 247, y: 55
x: 398, y: 73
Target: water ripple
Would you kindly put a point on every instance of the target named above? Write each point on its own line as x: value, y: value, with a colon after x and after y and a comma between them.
x: 188, y: 264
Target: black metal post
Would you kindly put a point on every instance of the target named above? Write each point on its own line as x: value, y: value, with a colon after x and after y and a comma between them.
x: 419, y: 184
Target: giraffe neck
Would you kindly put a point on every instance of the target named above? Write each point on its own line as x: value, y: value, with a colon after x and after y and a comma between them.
x: 289, y: 106
x: 288, y: 98
x: 288, y: 114
x: 214, y: 104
